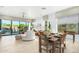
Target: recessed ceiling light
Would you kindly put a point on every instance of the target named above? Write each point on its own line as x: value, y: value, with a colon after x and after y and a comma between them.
x: 43, y: 8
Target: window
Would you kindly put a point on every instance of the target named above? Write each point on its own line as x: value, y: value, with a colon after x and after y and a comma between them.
x: 6, y: 27
x: 68, y: 27
x: 23, y: 27
x: 15, y: 27
x: 0, y: 24
x: 9, y: 27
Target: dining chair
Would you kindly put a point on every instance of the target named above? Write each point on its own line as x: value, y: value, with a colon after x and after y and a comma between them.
x: 58, y: 44
x: 44, y: 45
x: 62, y: 43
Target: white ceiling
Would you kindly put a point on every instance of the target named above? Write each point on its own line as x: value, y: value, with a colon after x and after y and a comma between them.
x: 29, y: 11
x: 68, y: 12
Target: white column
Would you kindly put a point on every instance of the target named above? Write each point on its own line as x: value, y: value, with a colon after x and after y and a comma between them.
x: 29, y: 28
x: 53, y: 22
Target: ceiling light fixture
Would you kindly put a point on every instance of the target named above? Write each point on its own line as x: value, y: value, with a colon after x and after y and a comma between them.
x: 43, y: 8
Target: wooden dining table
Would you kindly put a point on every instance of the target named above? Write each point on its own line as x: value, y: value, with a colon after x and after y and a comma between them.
x: 52, y: 38
x: 71, y: 33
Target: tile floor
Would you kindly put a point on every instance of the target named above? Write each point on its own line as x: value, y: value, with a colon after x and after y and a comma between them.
x: 8, y: 44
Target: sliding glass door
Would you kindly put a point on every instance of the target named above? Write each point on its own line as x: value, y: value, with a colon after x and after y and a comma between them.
x: 23, y: 27
x: 62, y: 27
x: 15, y: 27
x: 68, y: 27
x: 6, y: 27
x: 69, y: 23
x: 11, y: 27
